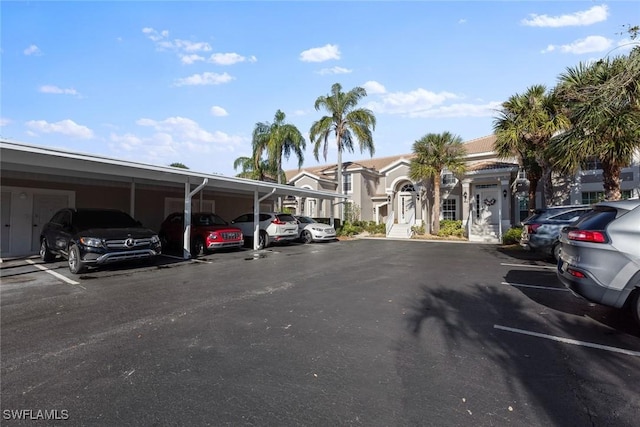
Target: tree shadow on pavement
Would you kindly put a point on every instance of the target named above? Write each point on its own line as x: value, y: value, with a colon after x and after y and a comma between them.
x: 471, y: 372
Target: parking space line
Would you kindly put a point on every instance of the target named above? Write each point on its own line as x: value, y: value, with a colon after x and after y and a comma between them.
x: 546, y: 267
x: 546, y: 288
x: 190, y: 259
x: 570, y: 341
x: 54, y: 273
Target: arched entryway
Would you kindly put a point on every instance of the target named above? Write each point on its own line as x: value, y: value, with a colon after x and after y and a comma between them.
x: 406, y: 203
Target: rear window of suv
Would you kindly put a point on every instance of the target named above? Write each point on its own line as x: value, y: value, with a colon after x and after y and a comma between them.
x: 597, y: 219
x: 286, y: 218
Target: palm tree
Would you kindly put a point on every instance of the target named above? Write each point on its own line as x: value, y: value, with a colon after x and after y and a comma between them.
x: 434, y: 153
x: 178, y: 165
x: 604, y: 127
x: 251, y: 169
x: 278, y: 139
x: 346, y: 122
x: 524, y: 127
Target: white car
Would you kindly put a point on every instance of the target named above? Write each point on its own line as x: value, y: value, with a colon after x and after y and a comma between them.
x: 274, y: 227
x: 313, y: 231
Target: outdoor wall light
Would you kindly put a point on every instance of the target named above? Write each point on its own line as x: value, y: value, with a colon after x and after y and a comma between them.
x: 504, y: 193
x: 464, y: 195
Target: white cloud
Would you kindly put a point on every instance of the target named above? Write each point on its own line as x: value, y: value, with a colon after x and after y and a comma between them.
x: 162, y: 41
x: 230, y: 58
x: 587, y: 45
x: 462, y: 21
x: 5, y: 121
x: 127, y: 142
x: 335, y: 70
x: 587, y: 17
x: 426, y: 104
x: 58, y: 91
x: 411, y: 103
x: 190, y: 59
x: 321, y: 54
x: 299, y: 113
x: 372, y: 87
x: 204, y: 79
x: 32, y: 50
x: 189, y: 131
x: 218, y: 111
x: 66, y: 127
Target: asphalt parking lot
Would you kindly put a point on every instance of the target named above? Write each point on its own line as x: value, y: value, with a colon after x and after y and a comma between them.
x: 361, y: 332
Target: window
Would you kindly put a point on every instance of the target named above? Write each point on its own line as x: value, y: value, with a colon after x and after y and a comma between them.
x: 448, y: 178
x: 449, y: 209
x: 590, y: 197
x: 523, y: 207
x: 407, y: 188
x: 592, y: 164
x: 346, y: 184
x: 522, y: 174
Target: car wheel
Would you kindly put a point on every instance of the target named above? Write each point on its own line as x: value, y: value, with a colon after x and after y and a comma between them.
x: 263, y: 240
x: 198, y: 248
x: 307, y: 237
x: 635, y: 306
x: 556, y: 251
x: 76, y: 266
x: 45, y: 253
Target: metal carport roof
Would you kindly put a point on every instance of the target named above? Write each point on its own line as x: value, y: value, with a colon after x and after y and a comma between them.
x: 21, y: 157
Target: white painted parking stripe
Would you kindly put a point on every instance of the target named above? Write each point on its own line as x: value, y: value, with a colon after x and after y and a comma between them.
x: 545, y: 267
x: 53, y: 273
x: 546, y: 288
x: 570, y: 341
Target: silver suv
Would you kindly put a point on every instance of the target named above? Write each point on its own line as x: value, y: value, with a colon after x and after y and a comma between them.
x: 274, y: 227
x: 600, y: 257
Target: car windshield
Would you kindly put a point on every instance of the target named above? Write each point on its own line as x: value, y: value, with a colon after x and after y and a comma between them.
x: 306, y: 220
x: 104, y: 219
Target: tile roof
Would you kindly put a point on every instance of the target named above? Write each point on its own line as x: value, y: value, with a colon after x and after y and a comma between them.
x: 475, y: 146
x: 490, y: 165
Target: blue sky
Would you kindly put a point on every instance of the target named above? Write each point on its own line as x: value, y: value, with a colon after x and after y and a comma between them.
x: 160, y: 82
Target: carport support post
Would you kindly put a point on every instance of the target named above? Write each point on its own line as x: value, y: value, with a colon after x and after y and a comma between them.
x: 256, y: 215
x: 186, y: 240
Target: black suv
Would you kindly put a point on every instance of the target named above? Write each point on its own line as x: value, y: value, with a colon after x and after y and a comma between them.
x: 96, y: 236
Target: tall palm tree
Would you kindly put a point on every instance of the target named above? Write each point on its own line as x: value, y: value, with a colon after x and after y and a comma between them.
x: 346, y: 122
x: 434, y: 153
x: 524, y: 127
x: 276, y: 140
x: 603, y: 104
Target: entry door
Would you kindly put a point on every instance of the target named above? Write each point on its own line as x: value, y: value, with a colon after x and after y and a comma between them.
x: 44, y: 206
x: 487, y: 205
x: 5, y: 224
x: 406, y: 207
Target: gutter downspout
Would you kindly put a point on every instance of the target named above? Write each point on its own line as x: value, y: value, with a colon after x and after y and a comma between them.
x: 256, y: 216
x: 186, y: 238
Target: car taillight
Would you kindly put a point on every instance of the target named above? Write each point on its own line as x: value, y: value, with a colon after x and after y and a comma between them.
x: 278, y: 222
x: 531, y: 228
x: 587, y: 236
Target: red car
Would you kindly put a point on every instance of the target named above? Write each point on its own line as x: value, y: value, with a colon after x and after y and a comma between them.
x: 208, y: 232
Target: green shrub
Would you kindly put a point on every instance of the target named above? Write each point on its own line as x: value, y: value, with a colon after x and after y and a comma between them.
x: 348, y: 229
x: 512, y: 236
x: 449, y: 227
x: 418, y: 229
x: 374, y: 228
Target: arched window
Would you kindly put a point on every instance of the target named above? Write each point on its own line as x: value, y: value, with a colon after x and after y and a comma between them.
x: 408, y: 188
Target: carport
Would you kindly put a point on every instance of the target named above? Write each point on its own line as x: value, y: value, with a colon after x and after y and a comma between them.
x: 49, y: 170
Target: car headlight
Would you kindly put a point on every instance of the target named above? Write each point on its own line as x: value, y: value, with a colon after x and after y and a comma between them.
x: 316, y: 229
x: 213, y: 236
x: 91, y: 241
x: 155, y: 239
